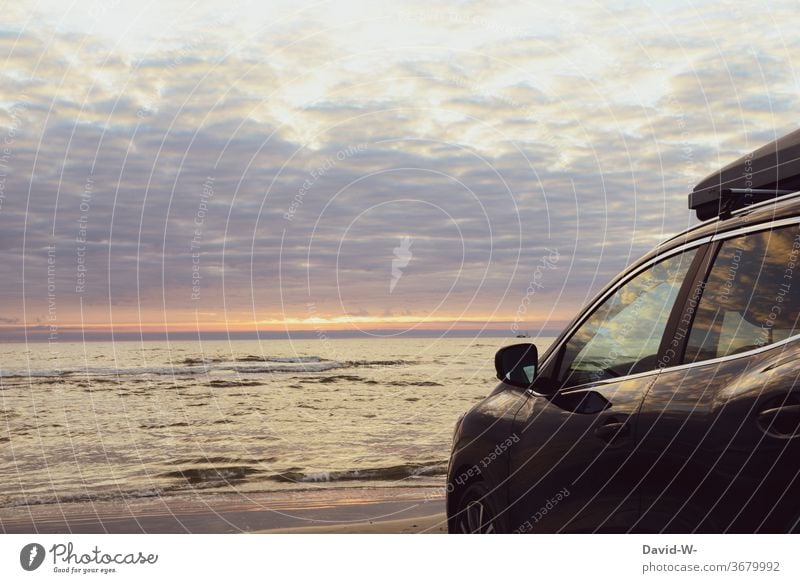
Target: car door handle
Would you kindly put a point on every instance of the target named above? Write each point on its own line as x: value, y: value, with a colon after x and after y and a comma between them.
x: 613, y: 430
x: 781, y: 420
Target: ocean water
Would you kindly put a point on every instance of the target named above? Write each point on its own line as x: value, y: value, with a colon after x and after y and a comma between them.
x: 105, y: 421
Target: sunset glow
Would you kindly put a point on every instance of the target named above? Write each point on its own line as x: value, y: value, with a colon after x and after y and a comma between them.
x: 358, y: 166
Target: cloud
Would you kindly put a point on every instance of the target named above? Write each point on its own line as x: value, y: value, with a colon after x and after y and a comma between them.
x: 250, y: 166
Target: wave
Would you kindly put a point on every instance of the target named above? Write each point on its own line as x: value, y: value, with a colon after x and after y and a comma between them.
x: 83, y: 497
x: 294, y: 367
x: 203, y: 477
x: 220, y: 383
x: 245, y: 365
x: 172, y: 371
x: 154, y: 425
x: 202, y: 360
x: 228, y: 461
x: 390, y: 473
x: 298, y: 359
x: 373, y: 363
x: 413, y: 384
x: 213, y: 476
x: 339, y: 377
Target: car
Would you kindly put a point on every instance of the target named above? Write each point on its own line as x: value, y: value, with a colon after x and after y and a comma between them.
x: 671, y: 403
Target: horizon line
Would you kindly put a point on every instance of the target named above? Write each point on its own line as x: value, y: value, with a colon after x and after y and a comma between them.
x: 42, y: 334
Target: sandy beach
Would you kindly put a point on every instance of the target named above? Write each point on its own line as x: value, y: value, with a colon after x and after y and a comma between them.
x: 340, y: 510
x: 433, y: 524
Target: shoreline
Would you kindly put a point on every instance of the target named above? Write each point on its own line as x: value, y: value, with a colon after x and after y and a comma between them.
x: 341, y: 510
x: 432, y: 524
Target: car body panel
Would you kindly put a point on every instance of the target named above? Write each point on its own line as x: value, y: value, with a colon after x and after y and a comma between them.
x: 482, y: 445
x: 579, y: 443
x: 712, y: 466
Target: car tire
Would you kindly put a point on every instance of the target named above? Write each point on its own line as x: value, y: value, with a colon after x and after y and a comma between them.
x: 475, y: 512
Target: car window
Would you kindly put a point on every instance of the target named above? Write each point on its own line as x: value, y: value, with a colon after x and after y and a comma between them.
x: 623, y: 335
x: 751, y: 296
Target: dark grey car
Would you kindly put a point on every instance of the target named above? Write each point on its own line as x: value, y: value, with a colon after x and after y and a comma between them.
x: 671, y: 403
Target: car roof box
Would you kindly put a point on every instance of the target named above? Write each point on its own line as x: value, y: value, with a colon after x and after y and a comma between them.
x: 766, y: 173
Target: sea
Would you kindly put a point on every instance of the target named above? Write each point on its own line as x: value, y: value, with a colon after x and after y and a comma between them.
x: 114, y: 421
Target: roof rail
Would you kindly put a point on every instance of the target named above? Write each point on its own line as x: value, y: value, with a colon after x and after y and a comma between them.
x: 771, y: 171
x: 748, y: 208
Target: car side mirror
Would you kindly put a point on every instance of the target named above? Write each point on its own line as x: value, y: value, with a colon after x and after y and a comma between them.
x: 516, y: 364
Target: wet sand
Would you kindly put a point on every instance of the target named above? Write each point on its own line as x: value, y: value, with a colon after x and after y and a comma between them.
x: 340, y: 510
x: 433, y: 524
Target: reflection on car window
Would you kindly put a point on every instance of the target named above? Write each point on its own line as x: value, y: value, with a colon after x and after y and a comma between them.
x: 750, y: 298
x: 623, y: 335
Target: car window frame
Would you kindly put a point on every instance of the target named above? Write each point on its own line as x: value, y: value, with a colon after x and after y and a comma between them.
x: 711, y: 256
x: 710, y: 244
x: 553, y: 356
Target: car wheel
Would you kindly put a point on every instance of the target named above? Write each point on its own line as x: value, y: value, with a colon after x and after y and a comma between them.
x: 475, y: 513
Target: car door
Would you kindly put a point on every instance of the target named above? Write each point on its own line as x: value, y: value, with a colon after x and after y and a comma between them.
x: 572, y: 469
x: 718, y: 431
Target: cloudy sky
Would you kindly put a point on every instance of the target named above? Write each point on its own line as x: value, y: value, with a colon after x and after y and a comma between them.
x: 362, y: 165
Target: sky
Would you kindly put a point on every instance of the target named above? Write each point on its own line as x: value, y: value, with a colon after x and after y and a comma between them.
x: 364, y: 167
